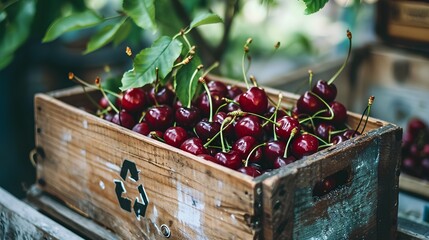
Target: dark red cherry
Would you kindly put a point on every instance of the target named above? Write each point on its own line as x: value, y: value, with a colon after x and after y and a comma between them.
x: 416, y: 126
x: 228, y: 130
x: 175, y: 136
x: 327, y: 92
x: 304, y: 145
x: 324, y: 130
x: 193, y: 145
x: 245, y: 145
x: 309, y: 104
x: 163, y: 96
x: 103, y: 102
x: 229, y: 159
x: 273, y: 150
x: 338, y: 139
x: 207, y: 130
x: 159, y: 117
x: 351, y: 134
x: 217, y: 87
x: 250, y: 171
x: 285, y: 125
x: 233, y: 91
x: 249, y: 126
x: 109, y: 116
x: 410, y: 166
x: 254, y: 100
x: 325, y: 186
x: 203, y: 103
x: 281, y: 161
x: 124, y: 119
x: 340, y: 113
x: 134, y: 100
x: 425, y: 167
x: 142, y: 128
x: 425, y: 150
x: 187, y: 117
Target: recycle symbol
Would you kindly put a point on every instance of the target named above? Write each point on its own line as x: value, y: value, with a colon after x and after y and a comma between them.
x: 141, y: 202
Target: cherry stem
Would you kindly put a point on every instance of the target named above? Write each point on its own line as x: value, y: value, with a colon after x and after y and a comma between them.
x: 324, y: 110
x: 218, y: 133
x: 260, y: 116
x: 129, y: 52
x: 370, y: 102
x: 292, y: 134
x: 323, y: 141
x: 93, y: 102
x: 325, y: 145
x: 246, y: 52
x: 335, y: 132
x: 187, y: 41
x: 275, y: 116
x: 253, y: 80
x: 203, y: 81
x: 142, y: 117
x: 226, y: 120
x: 209, y: 69
x: 154, y: 135
x: 190, y: 85
x: 97, y: 80
x: 80, y: 81
x: 251, y: 152
x: 349, y: 36
x: 156, y: 85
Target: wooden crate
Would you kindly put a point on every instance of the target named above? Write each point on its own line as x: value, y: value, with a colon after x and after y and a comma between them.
x: 85, y: 161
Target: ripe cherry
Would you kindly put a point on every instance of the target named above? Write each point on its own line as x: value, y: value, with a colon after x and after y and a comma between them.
x: 233, y: 91
x: 228, y: 130
x: 207, y: 157
x: 304, y: 145
x: 159, y: 117
x: 273, y: 149
x: 249, y: 126
x: 163, y: 96
x: 187, y: 117
x: 327, y: 92
x: 339, y: 111
x: 175, y: 136
x: 309, y: 104
x: 207, y: 130
x: 250, y: 171
x: 124, y: 119
x: 217, y: 88
x: 281, y: 161
x: 351, y: 133
x: 193, y: 145
x: 338, y: 139
x: 203, y: 103
x: 254, y: 100
x: 142, y: 128
x: 134, y: 100
x: 229, y: 159
x: 285, y: 125
x: 324, y: 130
x: 245, y: 145
x: 416, y: 126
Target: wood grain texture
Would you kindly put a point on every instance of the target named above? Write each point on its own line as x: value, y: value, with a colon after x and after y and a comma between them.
x: 414, y: 185
x: 196, y: 199
x: 20, y: 221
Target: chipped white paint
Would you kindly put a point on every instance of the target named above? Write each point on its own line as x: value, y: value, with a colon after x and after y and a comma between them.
x: 102, y: 186
x: 85, y: 124
x: 234, y: 220
x: 154, y: 219
x: 83, y: 152
x: 113, y: 167
x: 67, y: 136
x: 190, y: 208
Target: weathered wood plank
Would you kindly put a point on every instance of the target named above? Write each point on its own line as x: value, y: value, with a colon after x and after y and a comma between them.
x: 414, y: 185
x: 69, y: 218
x: 20, y: 221
x: 196, y: 199
x: 409, y: 230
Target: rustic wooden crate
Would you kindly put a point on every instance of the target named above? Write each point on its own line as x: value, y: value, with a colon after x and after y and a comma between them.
x: 414, y: 185
x: 81, y: 157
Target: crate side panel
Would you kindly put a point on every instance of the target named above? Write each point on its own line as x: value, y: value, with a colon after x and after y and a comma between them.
x: 349, y: 211
x: 84, y: 157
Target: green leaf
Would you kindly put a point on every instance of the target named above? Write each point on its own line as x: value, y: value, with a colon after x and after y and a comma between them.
x: 104, y: 36
x: 314, y: 5
x: 122, y: 33
x: 142, y: 12
x: 203, y: 19
x: 162, y: 55
x: 72, y: 22
x: 16, y: 31
x: 185, y: 89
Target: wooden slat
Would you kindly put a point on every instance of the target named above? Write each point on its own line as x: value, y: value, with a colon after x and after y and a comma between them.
x: 66, y: 216
x: 20, y: 221
x: 196, y: 199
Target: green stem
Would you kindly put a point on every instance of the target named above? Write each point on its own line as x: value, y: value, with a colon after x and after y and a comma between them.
x: 294, y: 131
x: 187, y: 41
x: 210, y: 101
x: 110, y: 103
x: 218, y: 133
x: 244, y: 71
x: 251, y: 152
x: 190, y: 87
x: 80, y: 81
x: 349, y: 36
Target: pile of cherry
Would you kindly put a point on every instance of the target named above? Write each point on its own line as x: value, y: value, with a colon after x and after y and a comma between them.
x: 415, y: 149
x: 244, y: 130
